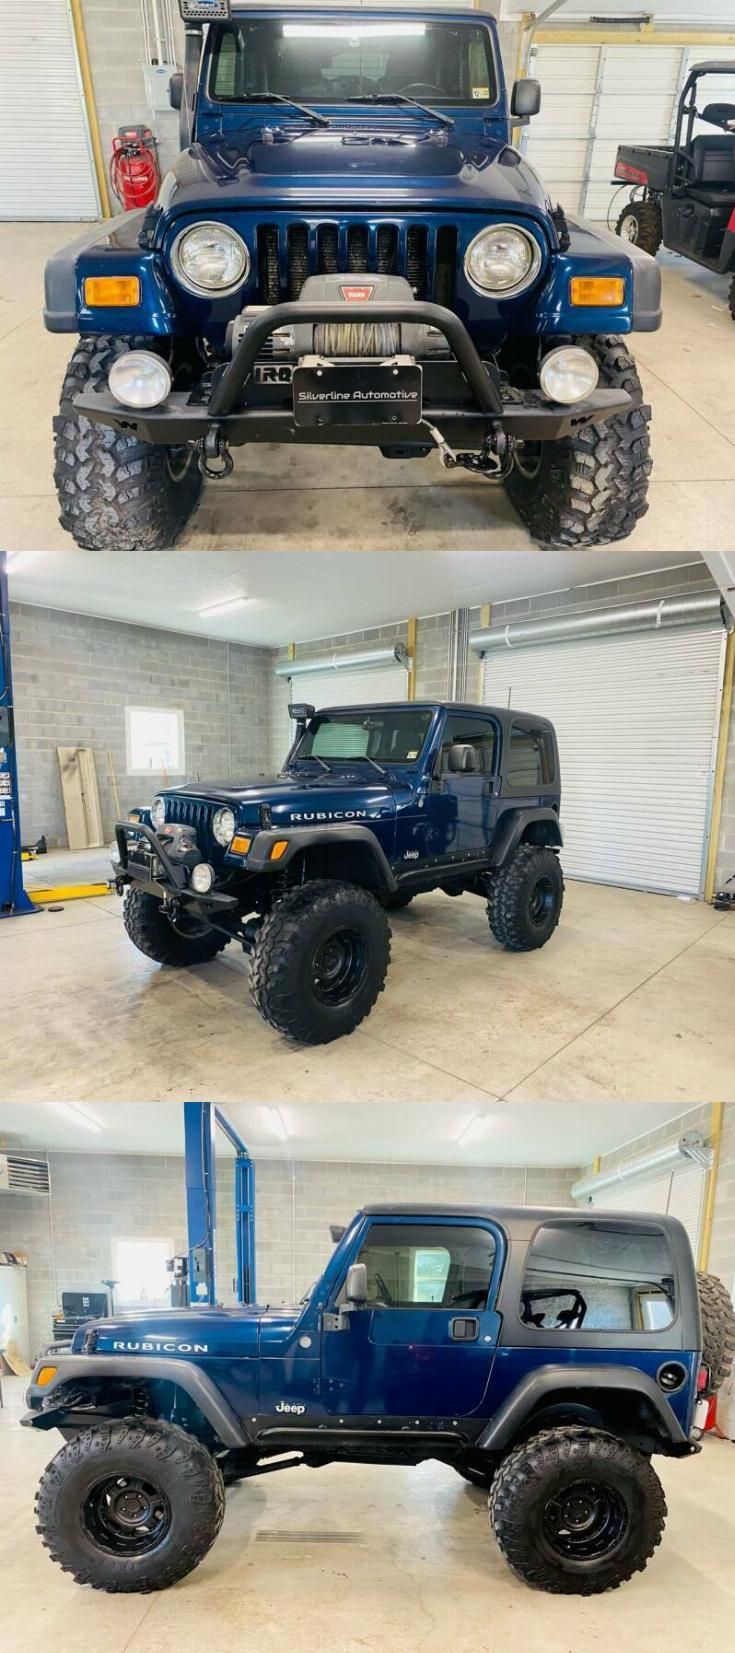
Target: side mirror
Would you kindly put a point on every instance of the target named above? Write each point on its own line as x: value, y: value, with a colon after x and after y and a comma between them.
x: 356, y: 1290
x: 526, y: 99
x: 176, y: 90
x: 462, y: 759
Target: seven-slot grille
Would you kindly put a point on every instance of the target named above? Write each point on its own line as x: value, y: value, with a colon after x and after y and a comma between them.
x: 287, y: 253
x: 194, y: 813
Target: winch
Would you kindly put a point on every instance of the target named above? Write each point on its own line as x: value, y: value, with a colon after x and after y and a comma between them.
x: 351, y: 337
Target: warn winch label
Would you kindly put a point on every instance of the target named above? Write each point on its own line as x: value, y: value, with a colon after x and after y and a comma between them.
x: 272, y: 373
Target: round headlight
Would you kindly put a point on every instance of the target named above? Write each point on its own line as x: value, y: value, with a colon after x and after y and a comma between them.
x: 139, y: 379
x: 202, y: 878
x: 502, y: 259
x: 158, y: 813
x: 568, y: 374
x: 223, y: 826
x: 210, y: 258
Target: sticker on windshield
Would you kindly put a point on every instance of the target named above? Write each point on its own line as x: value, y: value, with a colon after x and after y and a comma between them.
x: 411, y: 755
x: 481, y: 92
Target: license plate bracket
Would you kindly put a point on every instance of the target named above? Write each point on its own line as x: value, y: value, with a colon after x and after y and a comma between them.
x: 358, y: 393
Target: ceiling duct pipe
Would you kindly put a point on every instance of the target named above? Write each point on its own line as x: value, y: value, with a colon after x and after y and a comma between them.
x: 691, y: 1148
x: 397, y: 653
x: 661, y: 615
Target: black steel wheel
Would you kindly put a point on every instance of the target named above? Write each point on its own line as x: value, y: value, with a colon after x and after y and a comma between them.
x: 526, y: 899
x: 320, y: 960
x: 132, y: 1505
x: 576, y: 1511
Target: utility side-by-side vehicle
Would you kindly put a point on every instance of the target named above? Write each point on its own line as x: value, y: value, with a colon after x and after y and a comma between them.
x: 350, y: 250
x: 375, y: 804
x: 683, y: 193
x: 545, y: 1354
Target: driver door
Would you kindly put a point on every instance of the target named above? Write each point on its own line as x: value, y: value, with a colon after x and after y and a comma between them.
x: 424, y: 1343
x: 463, y: 800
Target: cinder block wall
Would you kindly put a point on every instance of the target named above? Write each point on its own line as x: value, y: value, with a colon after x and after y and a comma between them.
x: 73, y: 677
x: 97, y: 1197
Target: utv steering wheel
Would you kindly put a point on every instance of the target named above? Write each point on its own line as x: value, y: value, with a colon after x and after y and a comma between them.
x: 419, y: 87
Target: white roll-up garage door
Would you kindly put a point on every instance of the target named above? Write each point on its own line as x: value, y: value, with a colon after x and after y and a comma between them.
x: 678, y: 1193
x: 345, y: 687
x: 636, y: 721
x: 46, y: 166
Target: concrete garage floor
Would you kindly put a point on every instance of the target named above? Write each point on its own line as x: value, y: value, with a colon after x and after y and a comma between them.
x: 352, y: 1559
x: 632, y: 998
x: 334, y: 499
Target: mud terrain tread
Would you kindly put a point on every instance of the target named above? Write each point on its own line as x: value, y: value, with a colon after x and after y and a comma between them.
x: 504, y: 907
x: 152, y: 934
x: 718, y: 1330
x: 202, y: 1485
x: 273, y: 957
x: 593, y: 485
x: 114, y: 491
x: 650, y: 232
x: 559, y: 1448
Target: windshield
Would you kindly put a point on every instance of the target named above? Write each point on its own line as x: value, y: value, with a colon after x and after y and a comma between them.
x: 377, y: 736
x: 325, y: 62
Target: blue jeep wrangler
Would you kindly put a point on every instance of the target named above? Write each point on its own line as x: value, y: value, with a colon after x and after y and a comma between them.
x: 350, y: 250
x: 374, y: 805
x: 544, y: 1353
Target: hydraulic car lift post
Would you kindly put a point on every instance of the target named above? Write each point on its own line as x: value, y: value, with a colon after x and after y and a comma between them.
x: 201, y: 1120
x: 13, y: 898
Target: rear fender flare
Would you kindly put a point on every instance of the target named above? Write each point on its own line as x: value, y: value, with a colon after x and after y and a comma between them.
x: 547, y: 1381
x: 514, y: 825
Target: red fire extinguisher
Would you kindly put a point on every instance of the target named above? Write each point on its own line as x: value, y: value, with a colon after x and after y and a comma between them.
x: 134, y: 171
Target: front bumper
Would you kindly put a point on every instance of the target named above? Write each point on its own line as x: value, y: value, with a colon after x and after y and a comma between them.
x: 145, y: 863
x: 462, y: 396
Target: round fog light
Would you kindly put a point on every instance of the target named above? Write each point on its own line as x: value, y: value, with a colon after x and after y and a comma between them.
x: 139, y: 379
x: 202, y: 878
x: 568, y: 374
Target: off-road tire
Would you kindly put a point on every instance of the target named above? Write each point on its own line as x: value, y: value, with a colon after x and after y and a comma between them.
x: 732, y: 298
x: 647, y: 215
x: 281, y: 983
x: 718, y: 1330
x: 528, y: 1477
x: 150, y: 930
x: 115, y: 492
x: 590, y: 488
x: 509, y: 907
x: 401, y: 898
x: 177, y: 1463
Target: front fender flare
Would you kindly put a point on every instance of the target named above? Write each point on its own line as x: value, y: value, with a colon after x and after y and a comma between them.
x: 184, y: 1373
x: 502, y: 1431
x: 305, y: 837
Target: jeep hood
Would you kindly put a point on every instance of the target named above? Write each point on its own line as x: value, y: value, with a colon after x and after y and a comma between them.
x: 397, y: 168
x: 305, y: 792
x: 192, y: 1334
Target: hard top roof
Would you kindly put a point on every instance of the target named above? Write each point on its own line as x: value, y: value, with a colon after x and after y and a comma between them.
x: 519, y: 1220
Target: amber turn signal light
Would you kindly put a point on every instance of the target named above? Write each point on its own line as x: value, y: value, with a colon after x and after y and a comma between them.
x: 112, y: 292
x: 604, y: 291
x: 279, y: 849
x: 240, y: 846
x: 45, y: 1375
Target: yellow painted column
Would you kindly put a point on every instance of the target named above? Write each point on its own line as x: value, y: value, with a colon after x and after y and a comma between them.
x: 100, y: 165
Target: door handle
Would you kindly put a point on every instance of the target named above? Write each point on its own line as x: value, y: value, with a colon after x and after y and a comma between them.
x: 464, y: 1329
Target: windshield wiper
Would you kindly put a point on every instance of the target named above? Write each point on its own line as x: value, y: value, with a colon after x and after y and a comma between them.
x: 401, y: 99
x: 275, y: 97
x: 310, y: 757
x: 362, y: 757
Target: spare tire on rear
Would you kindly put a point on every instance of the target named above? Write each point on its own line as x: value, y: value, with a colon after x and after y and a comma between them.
x: 718, y: 1330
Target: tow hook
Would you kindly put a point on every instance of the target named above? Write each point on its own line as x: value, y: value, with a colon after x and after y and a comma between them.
x: 214, y: 457
x: 494, y: 460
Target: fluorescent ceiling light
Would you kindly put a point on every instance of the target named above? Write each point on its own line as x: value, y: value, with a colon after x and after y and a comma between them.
x: 77, y: 1115
x: 349, y: 31
x: 277, y: 1124
x: 473, y: 1129
x: 18, y: 559
x: 222, y: 608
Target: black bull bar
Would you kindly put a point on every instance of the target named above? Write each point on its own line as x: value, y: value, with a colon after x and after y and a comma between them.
x: 173, y: 877
x: 186, y: 417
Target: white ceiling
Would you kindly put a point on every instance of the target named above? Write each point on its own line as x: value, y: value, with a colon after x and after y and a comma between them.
x: 294, y: 596
x: 537, y: 1134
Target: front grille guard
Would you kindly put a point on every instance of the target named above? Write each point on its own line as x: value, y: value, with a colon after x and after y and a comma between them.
x: 229, y: 386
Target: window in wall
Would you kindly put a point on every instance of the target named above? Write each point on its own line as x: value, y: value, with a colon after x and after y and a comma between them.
x: 139, y: 1266
x: 593, y: 1276
x: 154, y: 740
x: 530, y: 763
x: 427, y: 1264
